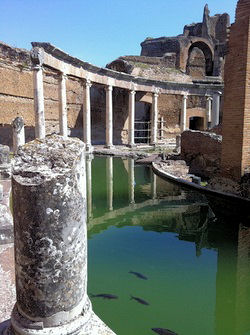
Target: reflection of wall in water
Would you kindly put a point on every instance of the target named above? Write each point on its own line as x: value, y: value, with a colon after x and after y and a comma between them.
x: 233, y: 282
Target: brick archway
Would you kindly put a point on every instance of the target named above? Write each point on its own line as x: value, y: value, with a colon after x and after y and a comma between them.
x: 204, y: 46
x: 208, y: 55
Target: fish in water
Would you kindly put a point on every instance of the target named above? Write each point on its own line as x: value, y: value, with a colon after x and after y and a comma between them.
x: 138, y: 275
x: 104, y: 296
x: 163, y: 331
x: 141, y: 301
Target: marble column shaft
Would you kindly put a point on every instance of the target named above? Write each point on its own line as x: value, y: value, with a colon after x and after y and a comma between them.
x: 131, y: 130
x: 154, y: 119
x: 209, y: 111
x: 109, y: 116
x: 184, y: 113
x: 63, y: 106
x: 215, y: 118
x: 39, y: 102
x: 87, y: 115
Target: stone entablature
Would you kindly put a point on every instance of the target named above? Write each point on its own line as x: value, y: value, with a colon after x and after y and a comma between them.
x: 70, y: 98
x: 57, y: 59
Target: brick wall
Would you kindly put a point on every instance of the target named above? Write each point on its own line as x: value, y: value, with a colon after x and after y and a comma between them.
x: 236, y: 110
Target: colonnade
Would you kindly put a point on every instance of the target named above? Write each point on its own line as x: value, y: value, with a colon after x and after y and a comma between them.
x: 40, y: 116
x: 212, y: 111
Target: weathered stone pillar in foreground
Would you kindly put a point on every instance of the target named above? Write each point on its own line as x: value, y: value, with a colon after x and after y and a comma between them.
x: 39, y: 102
x: 18, y: 133
x: 49, y: 204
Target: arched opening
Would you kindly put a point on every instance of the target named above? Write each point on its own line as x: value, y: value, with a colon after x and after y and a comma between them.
x: 196, y: 123
x: 200, y: 60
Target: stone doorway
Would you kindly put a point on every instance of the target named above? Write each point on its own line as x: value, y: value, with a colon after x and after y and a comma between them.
x: 196, y: 123
x: 142, y: 122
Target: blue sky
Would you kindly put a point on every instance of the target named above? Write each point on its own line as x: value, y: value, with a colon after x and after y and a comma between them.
x: 98, y: 31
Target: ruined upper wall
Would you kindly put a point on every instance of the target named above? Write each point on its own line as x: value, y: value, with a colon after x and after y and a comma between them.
x: 209, y: 36
x: 212, y: 27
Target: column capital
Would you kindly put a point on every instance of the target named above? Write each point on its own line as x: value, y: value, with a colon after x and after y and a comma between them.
x: 185, y: 96
x: 37, y: 67
x: 217, y: 93
x: 132, y: 92
x: 87, y: 82
x: 209, y: 98
x: 156, y: 91
x: 108, y: 88
x: 63, y: 75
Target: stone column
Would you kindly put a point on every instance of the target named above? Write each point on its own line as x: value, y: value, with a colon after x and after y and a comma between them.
x: 49, y: 206
x: 39, y: 102
x: 215, y: 118
x: 184, y: 113
x: 209, y: 111
x: 131, y: 180
x: 162, y: 128
x: 87, y: 116
x: 131, y: 129
x: 109, y: 175
x: 154, y: 119
x: 109, y: 117
x: 18, y: 133
x: 89, y: 184
x: 63, y: 106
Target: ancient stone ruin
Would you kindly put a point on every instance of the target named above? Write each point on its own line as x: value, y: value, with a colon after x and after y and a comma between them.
x: 51, y: 240
x: 118, y: 105
x: 199, y: 51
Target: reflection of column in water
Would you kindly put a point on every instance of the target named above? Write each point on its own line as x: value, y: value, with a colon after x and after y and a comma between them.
x: 89, y: 184
x: 153, y: 185
x: 131, y: 180
x: 109, y: 175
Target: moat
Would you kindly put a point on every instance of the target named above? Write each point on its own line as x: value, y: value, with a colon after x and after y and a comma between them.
x: 159, y: 258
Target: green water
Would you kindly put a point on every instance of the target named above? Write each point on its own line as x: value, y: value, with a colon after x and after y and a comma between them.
x: 197, y: 265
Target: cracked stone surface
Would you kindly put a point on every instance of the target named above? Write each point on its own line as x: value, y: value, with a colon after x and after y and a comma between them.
x: 49, y: 211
